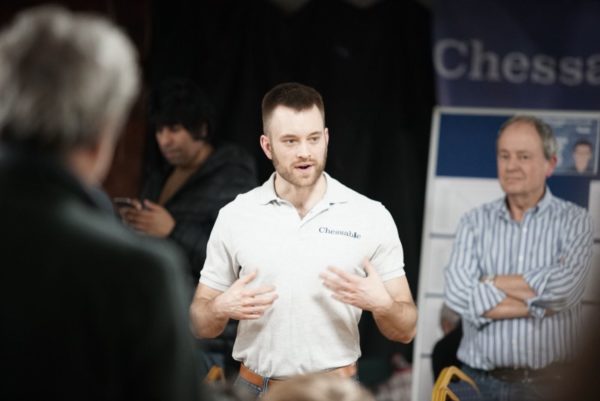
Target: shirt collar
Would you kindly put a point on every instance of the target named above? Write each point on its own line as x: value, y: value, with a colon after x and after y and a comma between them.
x: 541, y: 206
x: 335, y: 192
x: 266, y: 193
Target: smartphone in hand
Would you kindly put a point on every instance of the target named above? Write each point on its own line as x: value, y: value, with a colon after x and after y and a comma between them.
x: 123, y: 202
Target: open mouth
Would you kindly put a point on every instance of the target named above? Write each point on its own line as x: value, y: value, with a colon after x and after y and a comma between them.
x: 304, y: 166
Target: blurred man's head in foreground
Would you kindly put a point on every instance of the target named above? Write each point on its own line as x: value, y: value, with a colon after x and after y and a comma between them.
x: 67, y: 81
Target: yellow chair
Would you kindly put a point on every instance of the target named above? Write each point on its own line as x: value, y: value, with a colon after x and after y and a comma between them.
x: 453, y: 384
x: 214, y: 375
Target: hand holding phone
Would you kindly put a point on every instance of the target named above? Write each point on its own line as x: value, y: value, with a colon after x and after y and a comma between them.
x: 147, y: 217
x: 124, y: 203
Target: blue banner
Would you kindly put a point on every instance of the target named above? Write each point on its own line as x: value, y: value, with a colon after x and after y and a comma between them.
x: 518, y: 54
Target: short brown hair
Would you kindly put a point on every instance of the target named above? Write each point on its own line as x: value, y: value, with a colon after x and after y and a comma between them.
x: 293, y: 95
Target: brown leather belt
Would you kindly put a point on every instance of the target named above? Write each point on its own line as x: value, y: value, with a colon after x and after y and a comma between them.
x: 258, y: 380
x: 551, y: 372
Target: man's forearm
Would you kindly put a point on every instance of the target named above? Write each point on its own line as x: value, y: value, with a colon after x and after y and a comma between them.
x: 205, y: 322
x: 514, y: 286
x: 398, y: 322
x: 508, y: 308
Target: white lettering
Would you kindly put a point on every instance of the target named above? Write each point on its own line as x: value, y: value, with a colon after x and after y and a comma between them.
x: 543, y: 70
x: 456, y: 59
x: 593, y: 70
x: 481, y: 59
x: 571, y: 71
x: 449, y: 72
x: 515, y: 67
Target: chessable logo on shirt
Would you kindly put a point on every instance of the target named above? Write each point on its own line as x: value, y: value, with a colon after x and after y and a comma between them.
x: 347, y: 233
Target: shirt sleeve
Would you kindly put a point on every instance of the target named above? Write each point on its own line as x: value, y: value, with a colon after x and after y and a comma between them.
x: 388, y: 258
x: 464, y: 293
x: 220, y: 269
x: 562, y: 285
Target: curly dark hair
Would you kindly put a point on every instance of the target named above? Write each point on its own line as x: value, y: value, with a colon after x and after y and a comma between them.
x: 180, y: 101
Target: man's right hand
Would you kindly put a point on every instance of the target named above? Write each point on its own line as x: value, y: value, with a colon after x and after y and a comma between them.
x: 241, y: 303
x: 211, y: 309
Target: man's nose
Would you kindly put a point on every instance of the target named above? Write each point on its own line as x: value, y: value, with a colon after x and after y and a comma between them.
x: 303, y: 150
x: 512, y: 163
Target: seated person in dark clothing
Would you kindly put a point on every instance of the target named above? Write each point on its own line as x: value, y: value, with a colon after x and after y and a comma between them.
x: 444, y: 350
x: 181, y: 199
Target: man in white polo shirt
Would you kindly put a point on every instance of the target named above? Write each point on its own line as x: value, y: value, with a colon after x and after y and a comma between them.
x: 297, y: 259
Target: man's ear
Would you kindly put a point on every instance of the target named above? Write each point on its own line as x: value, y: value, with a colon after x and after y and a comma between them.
x: 265, y: 144
x: 551, y: 166
x: 326, y: 134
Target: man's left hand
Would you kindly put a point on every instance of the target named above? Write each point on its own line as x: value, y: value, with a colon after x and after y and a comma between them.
x: 153, y: 220
x: 367, y: 293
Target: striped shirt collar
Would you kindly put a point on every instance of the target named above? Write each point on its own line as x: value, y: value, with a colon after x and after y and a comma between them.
x: 543, y: 205
x: 335, y: 192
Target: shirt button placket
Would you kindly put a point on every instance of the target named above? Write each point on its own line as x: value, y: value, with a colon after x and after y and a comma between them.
x: 522, y: 242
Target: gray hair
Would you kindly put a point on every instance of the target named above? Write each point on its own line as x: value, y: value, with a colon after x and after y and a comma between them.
x: 65, y: 78
x: 549, y: 144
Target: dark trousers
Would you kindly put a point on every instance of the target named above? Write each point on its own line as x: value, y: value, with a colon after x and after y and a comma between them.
x: 493, y: 389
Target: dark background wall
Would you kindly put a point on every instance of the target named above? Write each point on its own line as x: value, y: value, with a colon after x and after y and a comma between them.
x: 372, y: 65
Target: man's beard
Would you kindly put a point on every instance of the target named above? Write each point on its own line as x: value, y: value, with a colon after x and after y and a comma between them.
x: 289, y: 173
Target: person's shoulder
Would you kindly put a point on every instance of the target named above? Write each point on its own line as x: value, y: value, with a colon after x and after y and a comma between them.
x: 230, y: 168
x: 244, y: 201
x: 485, y: 211
x: 569, y: 209
x: 491, y: 206
x: 342, y: 192
x: 358, y: 205
x: 133, y: 272
x: 117, y: 247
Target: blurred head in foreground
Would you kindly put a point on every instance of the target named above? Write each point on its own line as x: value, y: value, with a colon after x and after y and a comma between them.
x: 67, y: 81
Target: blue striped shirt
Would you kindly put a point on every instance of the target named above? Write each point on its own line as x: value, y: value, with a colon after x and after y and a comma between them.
x: 552, y: 249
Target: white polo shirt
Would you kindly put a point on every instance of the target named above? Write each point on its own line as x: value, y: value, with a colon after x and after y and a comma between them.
x: 305, y: 330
